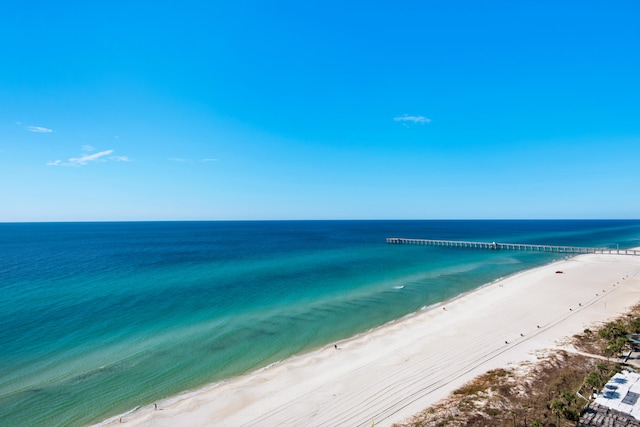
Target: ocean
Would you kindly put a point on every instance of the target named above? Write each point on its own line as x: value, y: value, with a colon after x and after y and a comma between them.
x: 99, y: 318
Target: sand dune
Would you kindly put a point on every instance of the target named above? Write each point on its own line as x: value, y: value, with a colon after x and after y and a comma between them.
x: 397, y: 370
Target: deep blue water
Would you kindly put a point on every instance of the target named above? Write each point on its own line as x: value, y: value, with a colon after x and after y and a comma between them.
x: 98, y: 318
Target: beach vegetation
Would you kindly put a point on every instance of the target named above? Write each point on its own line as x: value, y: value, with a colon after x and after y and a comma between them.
x: 598, y: 377
x: 552, y: 392
x: 615, y: 346
x: 565, y: 406
x: 492, y: 412
x: 594, y: 380
x: 613, y: 330
x: 538, y: 394
x: 634, y: 325
x: 547, y: 393
x: 612, y: 338
x: 482, y: 383
x: 558, y: 409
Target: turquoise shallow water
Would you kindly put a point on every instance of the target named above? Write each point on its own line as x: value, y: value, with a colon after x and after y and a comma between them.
x: 101, y: 317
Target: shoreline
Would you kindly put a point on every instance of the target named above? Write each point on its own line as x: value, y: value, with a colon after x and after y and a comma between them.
x: 168, y: 401
x: 396, y: 370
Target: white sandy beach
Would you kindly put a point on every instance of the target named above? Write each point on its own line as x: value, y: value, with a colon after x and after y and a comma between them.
x: 395, y: 371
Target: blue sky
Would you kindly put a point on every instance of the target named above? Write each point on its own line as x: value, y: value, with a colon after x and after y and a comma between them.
x: 197, y: 110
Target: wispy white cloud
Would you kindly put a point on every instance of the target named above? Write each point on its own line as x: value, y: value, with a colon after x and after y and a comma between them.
x: 86, y: 159
x: 87, y: 148
x: 38, y: 129
x: 208, y: 160
x: 178, y: 159
x: 120, y: 159
x: 413, y: 119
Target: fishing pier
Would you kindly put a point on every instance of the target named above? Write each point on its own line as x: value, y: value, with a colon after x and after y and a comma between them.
x: 512, y: 246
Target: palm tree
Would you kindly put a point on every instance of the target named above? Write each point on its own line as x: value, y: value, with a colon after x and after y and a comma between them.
x: 558, y: 408
x: 594, y: 380
x: 568, y: 397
